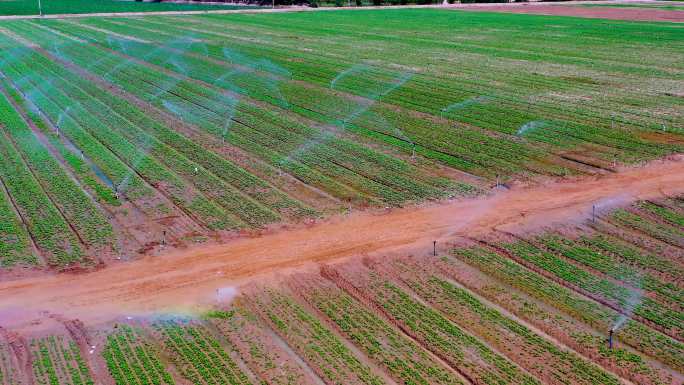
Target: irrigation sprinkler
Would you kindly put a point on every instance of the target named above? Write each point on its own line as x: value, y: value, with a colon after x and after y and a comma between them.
x: 40, y: 8
x: 610, y: 339
x: 434, y: 248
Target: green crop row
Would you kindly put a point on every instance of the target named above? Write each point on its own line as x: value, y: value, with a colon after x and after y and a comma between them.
x: 296, y: 135
x: 43, y: 367
x: 324, y: 62
x: 136, y: 157
x: 305, y: 100
x: 45, y: 223
x: 246, y: 182
x: 334, y: 154
x: 313, y: 59
x: 315, y: 343
x: 667, y: 214
x: 671, y: 322
x: 114, y: 169
x: 666, y: 293
x: 504, y: 333
x: 79, y: 371
x: 630, y: 255
x: 553, y: 294
x: 87, y: 219
x: 9, y: 373
x: 273, y: 363
x: 207, y: 183
x: 666, y: 233
x: 184, y: 108
x: 72, y: 157
x: 199, y: 356
x: 405, y: 360
x: 57, y: 361
x: 131, y: 360
x: 15, y: 246
x: 568, y: 331
x: 463, y: 352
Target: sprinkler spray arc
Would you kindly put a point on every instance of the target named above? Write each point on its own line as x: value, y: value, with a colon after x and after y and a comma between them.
x: 372, y: 96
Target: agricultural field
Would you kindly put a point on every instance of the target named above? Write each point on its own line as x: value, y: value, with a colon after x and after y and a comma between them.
x: 127, y: 135
x: 499, y: 309
x: 404, y: 196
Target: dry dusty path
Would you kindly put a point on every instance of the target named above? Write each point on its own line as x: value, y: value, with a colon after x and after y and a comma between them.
x: 576, y: 10
x: 185, y: 280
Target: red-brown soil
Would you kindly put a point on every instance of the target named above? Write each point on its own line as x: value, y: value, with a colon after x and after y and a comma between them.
x: 187, y: 279
x: 611, y: 13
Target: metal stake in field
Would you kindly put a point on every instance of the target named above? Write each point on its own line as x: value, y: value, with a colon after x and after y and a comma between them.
x: 593, y: 213
x: 434, y: 248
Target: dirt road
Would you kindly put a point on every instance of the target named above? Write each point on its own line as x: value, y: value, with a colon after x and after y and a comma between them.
x: 185, y: 280
x: 576, y: 10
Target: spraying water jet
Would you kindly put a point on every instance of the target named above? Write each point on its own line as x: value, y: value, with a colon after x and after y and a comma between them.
x: 531, y: 126
x: 481, y: 99
x: 372, y: 96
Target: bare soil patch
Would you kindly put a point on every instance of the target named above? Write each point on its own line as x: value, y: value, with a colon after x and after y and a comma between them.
x: 640, y: 14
